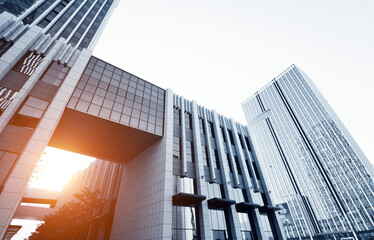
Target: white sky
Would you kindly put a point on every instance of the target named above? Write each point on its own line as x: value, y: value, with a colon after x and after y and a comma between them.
x: 221, y: 52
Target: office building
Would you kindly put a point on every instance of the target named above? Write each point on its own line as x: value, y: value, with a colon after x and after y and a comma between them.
x: 183, y: 171
x: 45, y: 43
x: 187, y: 171
x: 311, y: 165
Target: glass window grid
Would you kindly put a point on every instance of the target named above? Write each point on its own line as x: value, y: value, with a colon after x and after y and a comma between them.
x: 121, y: 93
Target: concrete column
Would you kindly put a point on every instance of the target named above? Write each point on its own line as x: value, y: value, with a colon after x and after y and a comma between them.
x: 200, y: 176
x: 255, y: 214
x: 236, y: 183
x: 183, y: 139
x: 209, y: 148
x: 233, y: 215
x: 144, y: 204
x: 13, y: 191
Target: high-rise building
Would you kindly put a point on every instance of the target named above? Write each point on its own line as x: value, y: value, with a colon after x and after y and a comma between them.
x: 186, y: 171
x: 44, y: 49
x: 311, y: 165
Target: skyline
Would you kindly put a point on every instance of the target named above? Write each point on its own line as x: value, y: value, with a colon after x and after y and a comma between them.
x: 181, y: 45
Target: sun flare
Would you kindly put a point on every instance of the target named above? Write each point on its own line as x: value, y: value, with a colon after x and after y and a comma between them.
x: 56, y: 167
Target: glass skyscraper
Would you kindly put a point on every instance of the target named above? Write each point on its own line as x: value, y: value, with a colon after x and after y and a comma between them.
x: 173, y: 169
x: 311, y: 165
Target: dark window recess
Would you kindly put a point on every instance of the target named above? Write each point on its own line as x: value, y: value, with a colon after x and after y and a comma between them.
x: 241, y: 141
x: 223, y: 134
x: 245, y: 195
x: 194, y: 186
x: 228, y: 161
x: 256, y: 170
x: 248, y: 168
x: 227, y: 218
x: 231, y: 137
x: 222, y: 190
x: 177, y: 120
x: 238, y: 165
x: 211, y: 130
x: 4, y: 46
x: 247, y: 142
x: 7, y: 161
x: 216, y: 159
x: 201, y: 125
x: 37, y: 12
x: 188, y: 120
x: 263, y: 196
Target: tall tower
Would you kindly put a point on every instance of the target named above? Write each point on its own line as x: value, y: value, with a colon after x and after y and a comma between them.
x: 44, y: 48
x: 312, y: 166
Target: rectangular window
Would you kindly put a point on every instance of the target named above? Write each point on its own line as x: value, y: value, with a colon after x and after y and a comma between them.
x: 241, y: 141
x: 188, y: 120
x: 176, y: 147
x: 238, y: 165
x: 201, y: 125
x: 177, y: 116
x: 184, y: 223
x: 256, y: 170
x: 205, y: 156
x: 215, y: 159
x: 7, y: 161
x: 211, y: 130
x: 190, y: 154
x: 223, y: 134
x: 247, y: 142
x: 30, y: 112
x: 231, y: 137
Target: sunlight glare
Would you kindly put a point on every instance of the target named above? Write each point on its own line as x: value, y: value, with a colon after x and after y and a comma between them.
x: 56, y: 167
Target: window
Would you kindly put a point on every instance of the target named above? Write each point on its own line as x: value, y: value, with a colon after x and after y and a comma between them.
x: 176, y: 147
x: 188, y: 120
x: 211, y: 130
x: 201, y: 125
x: 190, y: 153
x: 184, y: 223
x: 231, y: 137
x: 30, y: 112
x: 177, y: 117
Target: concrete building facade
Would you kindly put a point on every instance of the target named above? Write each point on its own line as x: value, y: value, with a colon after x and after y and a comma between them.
x: 184, y: 171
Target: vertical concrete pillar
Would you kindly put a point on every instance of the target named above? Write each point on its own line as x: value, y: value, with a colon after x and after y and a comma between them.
x: 233, y: 215
x: 17, y: 182
x: 200, y: 176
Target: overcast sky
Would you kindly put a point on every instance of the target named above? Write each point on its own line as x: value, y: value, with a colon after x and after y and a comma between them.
x: 221, y: 52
